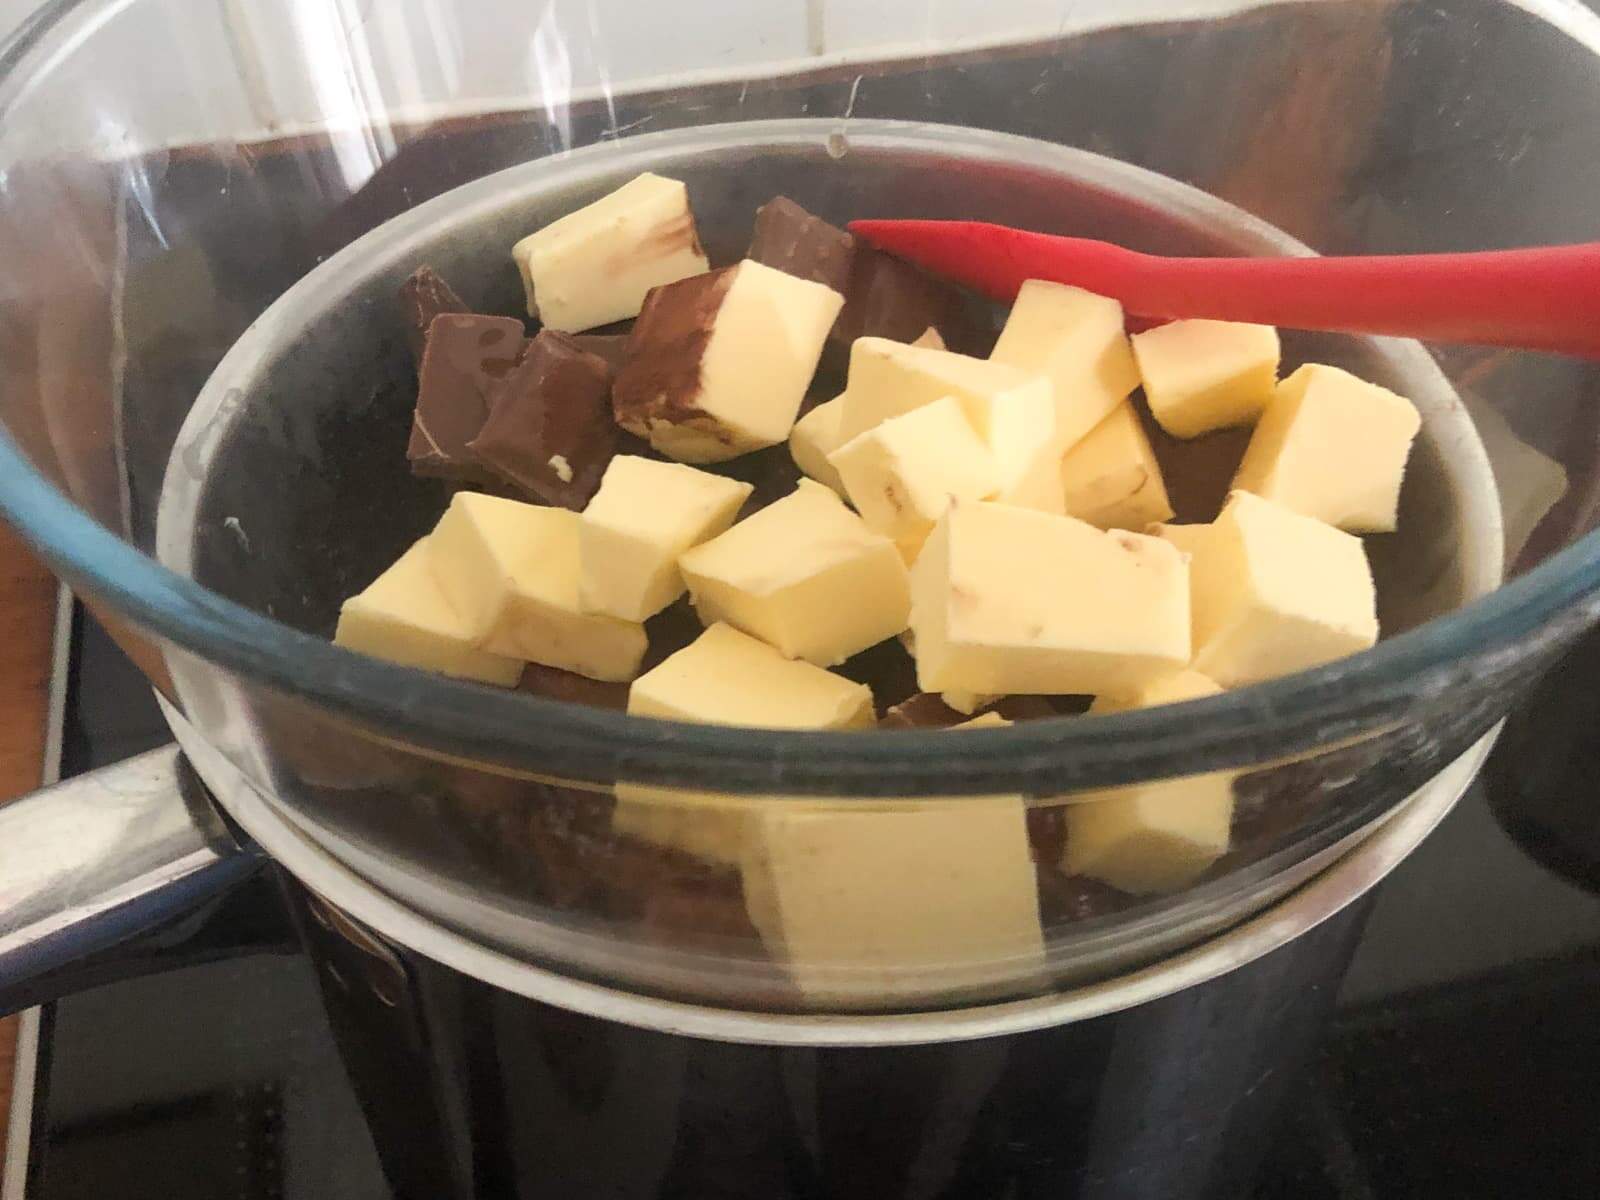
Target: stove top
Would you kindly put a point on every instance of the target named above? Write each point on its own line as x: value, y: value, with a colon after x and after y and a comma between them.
x: 1461, y: 1061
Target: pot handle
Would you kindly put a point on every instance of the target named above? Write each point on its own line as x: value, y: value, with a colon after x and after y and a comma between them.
x: 92, y: 862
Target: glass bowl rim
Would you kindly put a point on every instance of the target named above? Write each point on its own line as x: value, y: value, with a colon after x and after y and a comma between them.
x: 518, y: 733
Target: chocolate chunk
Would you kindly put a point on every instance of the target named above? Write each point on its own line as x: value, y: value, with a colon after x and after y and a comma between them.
x: 556, y: 684
x: 792, y: 240
x: 892, y: 299
x: 665, y: 349
x: 465, y: 355
x: 613, y: 347
x: 422, y: 298
x: 549, y: 427
x: 1024, y: 708
x: 1198, y: 472
x: 885, y: 668
x: 923, y: 711
x: 1069, y: 706
x: 771, y: 472
x: 1067, y: 898
x: 669, y: 631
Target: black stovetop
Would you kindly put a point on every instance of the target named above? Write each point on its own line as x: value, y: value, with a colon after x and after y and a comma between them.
x: 1462, y: 1061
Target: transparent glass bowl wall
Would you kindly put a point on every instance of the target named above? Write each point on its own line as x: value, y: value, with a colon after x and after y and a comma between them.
x: 134, y: 251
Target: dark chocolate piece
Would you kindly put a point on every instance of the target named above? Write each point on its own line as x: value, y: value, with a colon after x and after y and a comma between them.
x: 556, y: 684
x: 466, y: 354
x: 549, y: 426
x: 792, y: 240
x: 1067, y: 898
x: 885, y: 668
x: 892, y: 299
x: 661, y: 377
x: 771, y: 472
x: 1024, y: 708
x: 422, y: 298
x: 1198, y: 471
x: 613, y: 347
x: 925, y: 710
x: 669, y: 631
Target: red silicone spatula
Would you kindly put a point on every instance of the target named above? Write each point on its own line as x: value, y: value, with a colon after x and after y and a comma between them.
x: 1544, y: 298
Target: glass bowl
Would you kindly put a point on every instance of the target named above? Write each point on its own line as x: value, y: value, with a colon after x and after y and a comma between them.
x: 206, y: 394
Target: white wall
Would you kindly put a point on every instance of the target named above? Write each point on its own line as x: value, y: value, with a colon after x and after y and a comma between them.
x: 169, y: 70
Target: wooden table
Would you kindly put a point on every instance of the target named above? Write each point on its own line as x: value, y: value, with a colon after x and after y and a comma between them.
x: 27, y: 618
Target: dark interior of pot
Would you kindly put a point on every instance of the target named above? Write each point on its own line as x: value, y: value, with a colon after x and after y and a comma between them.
x: 289, y: 491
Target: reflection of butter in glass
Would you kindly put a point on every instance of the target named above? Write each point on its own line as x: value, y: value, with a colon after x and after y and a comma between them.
x: 1531, y: 483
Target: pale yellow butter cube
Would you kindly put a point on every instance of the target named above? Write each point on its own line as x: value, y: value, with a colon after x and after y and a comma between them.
x: 815, y: 436
x: 1075, y: 339
x: 726, y: 677
x: 866, y: 905
x: 511, y: 570
x: 1166, y: 689
x: 1333, y: 447
x: 804, y: 574
x: 645, y: 515
x: 1111, y: 478
x: 1187, y: 538
x: 403, y: 616
x: 1203, y: 375
x: 967, y: 703
x: 888, y: 379
x: 901, y: 473
x: 1276, y: 592
x: 1158, y: 836
x: 1151, y: 837
x: 1006, y: 600
x: 594, y: 266
x: 699, y: 823
x: 1018, y: 426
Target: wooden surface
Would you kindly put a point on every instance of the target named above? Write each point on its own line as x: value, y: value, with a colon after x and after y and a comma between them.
x: 27, y: 616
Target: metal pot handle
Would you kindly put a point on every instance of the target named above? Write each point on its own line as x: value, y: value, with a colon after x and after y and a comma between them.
x: 88, y: 864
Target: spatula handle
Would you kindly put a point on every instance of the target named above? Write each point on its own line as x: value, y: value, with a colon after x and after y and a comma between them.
x: 1544, y: 298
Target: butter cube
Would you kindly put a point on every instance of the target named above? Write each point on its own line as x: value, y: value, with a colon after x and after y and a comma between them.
x: 718, y: 364
x: 725, y: 677
x: 1333, y: 447
x: 804, y: 574
x: 594, y: 266
x: 511, y: 570
x: 1165, y: 689
x: 814, y: 437
x: 866, y: 905
x: 1018, y: 426
x: 1151, y: 837
x: 1276, y: 592
x: 1111, y: 478
x: 1187, y: 538
x: 967, y: 703
x: 1006, y: 600
x: 403, y: 616
x: 644, y: 516
x: 1074, y: 339
x: 930, y: 338
x: 901, y: 473
x: 1204, y: 375
x: 888, y: 379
